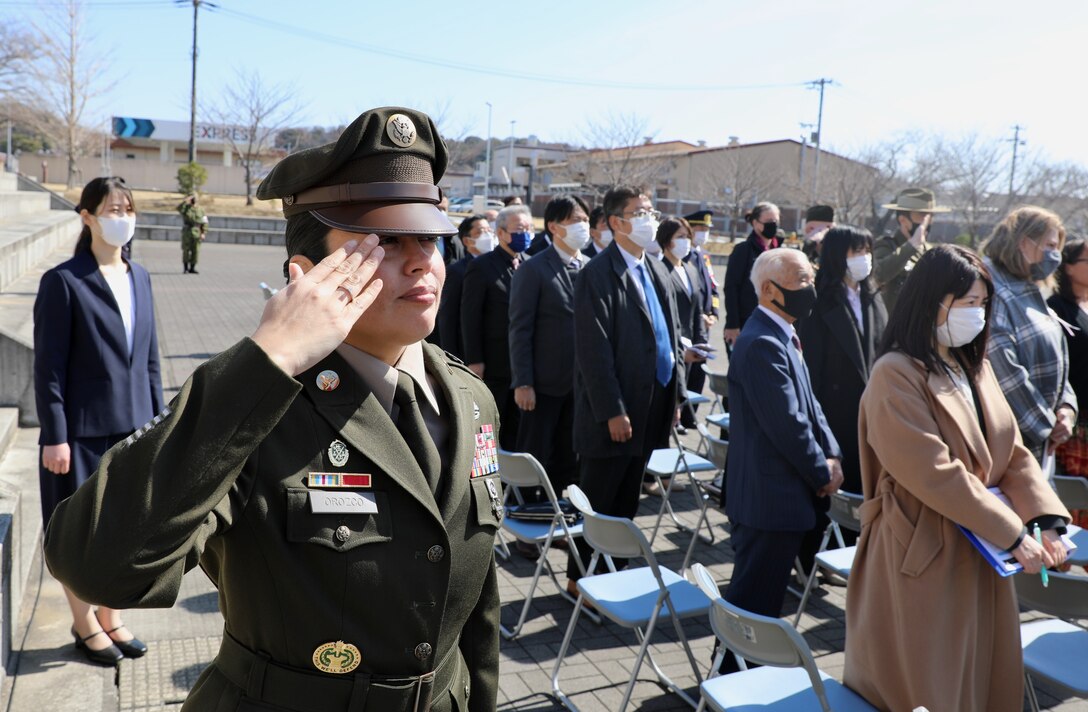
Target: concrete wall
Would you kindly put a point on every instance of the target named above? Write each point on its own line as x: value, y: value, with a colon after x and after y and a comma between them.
x: 138, y: 173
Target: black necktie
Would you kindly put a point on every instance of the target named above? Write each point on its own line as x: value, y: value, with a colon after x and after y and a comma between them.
x: 414, y: 430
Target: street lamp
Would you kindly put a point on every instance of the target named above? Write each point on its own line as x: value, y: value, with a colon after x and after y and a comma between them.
x: 487, y: 161
x: 510, y: 163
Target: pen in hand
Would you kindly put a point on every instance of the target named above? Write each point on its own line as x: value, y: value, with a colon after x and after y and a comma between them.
x: 1042, y: 571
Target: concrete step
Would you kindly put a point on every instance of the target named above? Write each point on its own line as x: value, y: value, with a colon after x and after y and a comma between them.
x: 8, y: 181
x: 15, y: 204
x: 28, y: 240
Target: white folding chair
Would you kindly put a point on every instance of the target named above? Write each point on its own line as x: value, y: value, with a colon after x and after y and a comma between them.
x: 267, y: 291
x: 844, y: 515
x: 1055, y: 650
x: 1073, y: 492
x: 668, y: 464
x: 772, y: 643
x: 717, y: 451
x: 719, y: 386
x: 633, y: 598
x: 523, y: 470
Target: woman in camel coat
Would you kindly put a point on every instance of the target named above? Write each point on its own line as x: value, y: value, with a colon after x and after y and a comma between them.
x: 928, y: 621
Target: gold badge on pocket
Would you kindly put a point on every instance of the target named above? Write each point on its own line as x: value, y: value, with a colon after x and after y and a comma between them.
x: 337, y: 658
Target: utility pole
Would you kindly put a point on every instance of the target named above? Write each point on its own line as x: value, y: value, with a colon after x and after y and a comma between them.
x: 487, y: 161
x: 1016, y: 143
x: 192, y: 95
x: 806, y: 133
x: 821, y: 83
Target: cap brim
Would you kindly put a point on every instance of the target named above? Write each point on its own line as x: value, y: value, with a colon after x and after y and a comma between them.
x: 893, y: 206
x: 387, y: 219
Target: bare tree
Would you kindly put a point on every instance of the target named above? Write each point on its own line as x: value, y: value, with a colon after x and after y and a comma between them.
x: 975, y: 165
x: 17, y: 47
x: 452, y: 131
x: 740, y: 177
x: 250, y: 114
x: 618, y: 152
x: 64, y: 77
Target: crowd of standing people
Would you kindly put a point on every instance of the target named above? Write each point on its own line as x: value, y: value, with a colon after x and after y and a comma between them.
x: 914, y: 374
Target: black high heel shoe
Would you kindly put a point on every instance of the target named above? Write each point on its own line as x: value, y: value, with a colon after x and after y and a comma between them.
x: 107, y: 656
x: 129, y: 648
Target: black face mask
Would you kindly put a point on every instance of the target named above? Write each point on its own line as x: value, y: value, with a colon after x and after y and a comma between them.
x: 799, y: 302
x: 770, y: 230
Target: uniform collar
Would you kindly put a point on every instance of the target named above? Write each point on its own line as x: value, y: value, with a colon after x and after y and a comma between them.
x: 381, y: 378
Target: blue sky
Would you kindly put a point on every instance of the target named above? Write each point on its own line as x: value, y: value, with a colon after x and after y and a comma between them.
x: 948, y: 66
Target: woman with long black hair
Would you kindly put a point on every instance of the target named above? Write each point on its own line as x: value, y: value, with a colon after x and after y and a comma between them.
x: 96, y: 375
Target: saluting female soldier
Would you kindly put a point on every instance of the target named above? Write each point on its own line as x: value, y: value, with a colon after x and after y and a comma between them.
x: 334, y: 475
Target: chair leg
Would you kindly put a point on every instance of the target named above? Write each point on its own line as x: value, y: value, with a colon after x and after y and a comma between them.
x: 557, y: 693
x: 643, y: 650
x: 563, y: 591
x: 501, y: 550
x: 1029, y: 687
x: 805, y: 595
x: 698, y: 527
x: 541, y: 560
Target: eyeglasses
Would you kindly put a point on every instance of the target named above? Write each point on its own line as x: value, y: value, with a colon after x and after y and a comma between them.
x: 641, y: 213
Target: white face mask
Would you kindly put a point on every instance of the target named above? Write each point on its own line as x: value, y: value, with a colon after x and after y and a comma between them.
x: 859, y: 266
x: 577, y: 235
x: 117, y: 231
x: 485, y: 242
x: 606, y: 237
x: 962, y: 326
x: 680, y: 248
x: 700, y: 237
x: 643, y: 231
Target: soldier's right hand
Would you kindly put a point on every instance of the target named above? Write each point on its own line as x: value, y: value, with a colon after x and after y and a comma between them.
x: 919, y: 237
x: 304, y: 322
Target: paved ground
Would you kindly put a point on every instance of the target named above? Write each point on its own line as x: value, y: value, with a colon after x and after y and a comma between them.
x: 199, y: 316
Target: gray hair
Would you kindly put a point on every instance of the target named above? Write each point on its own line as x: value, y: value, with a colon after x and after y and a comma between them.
x: 511, y: 210
x: 770, y: 265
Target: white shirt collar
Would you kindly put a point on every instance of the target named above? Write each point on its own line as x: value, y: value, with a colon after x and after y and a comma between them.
x: 631, y: 260
x: 785, y: 326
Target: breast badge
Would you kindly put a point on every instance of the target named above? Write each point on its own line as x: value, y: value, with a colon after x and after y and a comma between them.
x: 337, y: 658
x: 338, y: 453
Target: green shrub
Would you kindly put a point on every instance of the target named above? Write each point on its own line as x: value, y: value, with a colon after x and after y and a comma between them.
x: 191, y: 177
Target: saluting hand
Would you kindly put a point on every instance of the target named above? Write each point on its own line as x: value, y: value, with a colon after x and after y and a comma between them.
x: 305, y: 321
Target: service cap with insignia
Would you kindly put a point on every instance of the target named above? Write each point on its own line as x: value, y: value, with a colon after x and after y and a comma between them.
x: 700, y: 218
x: 379, y: 177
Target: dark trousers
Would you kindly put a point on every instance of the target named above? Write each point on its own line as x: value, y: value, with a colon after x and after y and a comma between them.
x: 761, y: 572
x: 810, y: 545
x: 614, y: 484
x: 547, y: 433
x: 509, y: 413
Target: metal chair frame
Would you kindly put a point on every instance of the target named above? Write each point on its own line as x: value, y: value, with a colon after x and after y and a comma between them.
x: 844, y: 515
x: 1065, y: 598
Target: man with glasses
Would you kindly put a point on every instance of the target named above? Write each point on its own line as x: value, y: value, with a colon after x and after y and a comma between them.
x: 629, y: 367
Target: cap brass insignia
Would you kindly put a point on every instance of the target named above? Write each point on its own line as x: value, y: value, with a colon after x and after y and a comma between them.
x: 401, y: 130
x: 337, y: 658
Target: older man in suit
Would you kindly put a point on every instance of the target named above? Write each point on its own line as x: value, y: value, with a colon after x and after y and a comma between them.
x: 485, y: 318
x: 542, y: 341
x: 783, y: 458
x: 629, y: 367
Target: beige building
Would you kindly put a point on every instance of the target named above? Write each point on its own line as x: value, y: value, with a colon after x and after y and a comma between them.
x: 727, y: 179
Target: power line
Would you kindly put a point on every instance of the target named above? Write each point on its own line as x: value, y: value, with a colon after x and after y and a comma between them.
x: 296, y: 31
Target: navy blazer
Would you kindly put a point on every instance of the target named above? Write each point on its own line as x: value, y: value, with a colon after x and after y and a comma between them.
x: 779, y: 439
x: 448, y: 322
x: 615, y: 354
x: 485, y: 313
x: 85, y: 382
x: 689, y: 307
x: 542, y: 324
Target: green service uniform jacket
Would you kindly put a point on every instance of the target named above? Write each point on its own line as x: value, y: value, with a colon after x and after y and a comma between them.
x: 893, y: 259
x: 193, y: 218
x: 220, y: 480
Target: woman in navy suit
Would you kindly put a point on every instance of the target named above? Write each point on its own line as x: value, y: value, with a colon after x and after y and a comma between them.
x: 96, y: 375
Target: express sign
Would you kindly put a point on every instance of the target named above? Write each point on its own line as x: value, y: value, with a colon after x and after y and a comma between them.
x: 158, y: 130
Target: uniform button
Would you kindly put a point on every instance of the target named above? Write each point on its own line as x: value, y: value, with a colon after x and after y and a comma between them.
x: 435, y: 554
x: 343, y: 533
x: 423, y: 651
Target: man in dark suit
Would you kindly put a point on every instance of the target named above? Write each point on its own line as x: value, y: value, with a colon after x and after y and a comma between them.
x: 783, y: 458
x: 475, y: 235
x: 629, y: 367
x: 542, y: 341
x: 485, y: 319
x: 599, y: 233
x: 701, y: 221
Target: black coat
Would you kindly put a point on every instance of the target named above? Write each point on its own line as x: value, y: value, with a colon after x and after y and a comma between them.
x: 740, y: 296
x: 698, y: 259
x: 542, y: 324
x: 839, y: 357
x: 615, y: 353
x: 448, y: 323
x: 689, y: 308
x: 541, y: 241
x: 485, y: 321
x: 1078, y: 347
